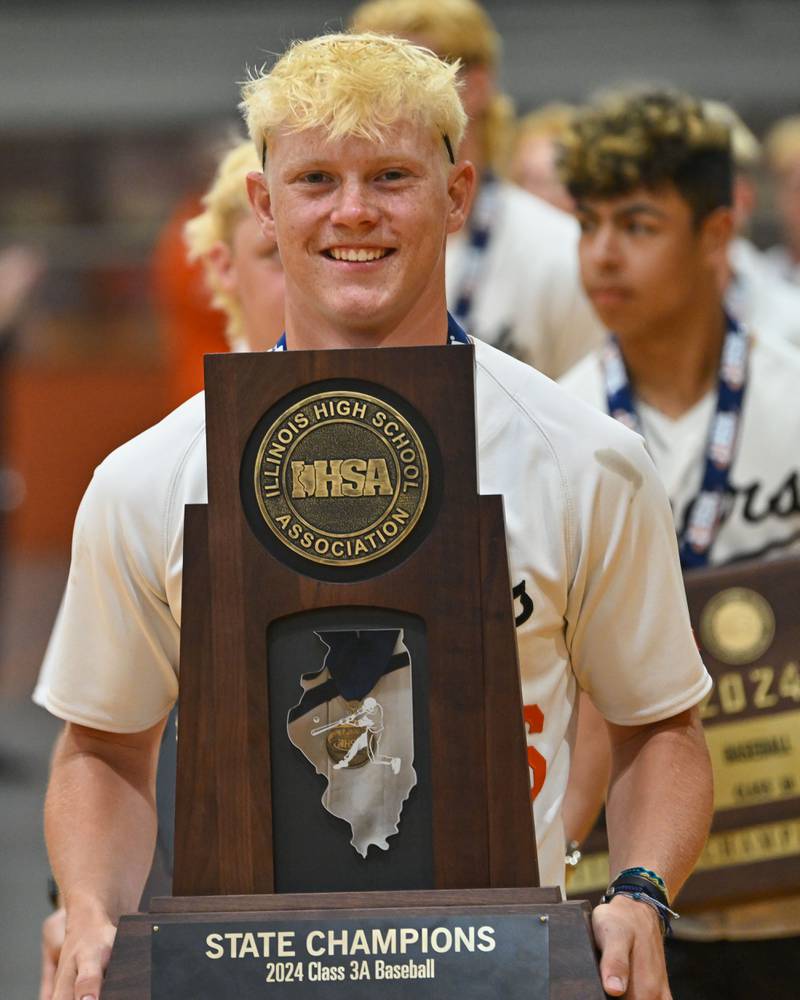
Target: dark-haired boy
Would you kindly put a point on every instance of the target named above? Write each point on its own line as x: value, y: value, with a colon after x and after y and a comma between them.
x: 718, y: 408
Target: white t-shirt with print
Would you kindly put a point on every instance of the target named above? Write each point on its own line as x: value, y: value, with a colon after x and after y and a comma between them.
x: 762, y: 519
x: 582, y: 503
x: 528, y: 300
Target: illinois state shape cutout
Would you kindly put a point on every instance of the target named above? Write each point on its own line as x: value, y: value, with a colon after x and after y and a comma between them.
x: 355, y: 724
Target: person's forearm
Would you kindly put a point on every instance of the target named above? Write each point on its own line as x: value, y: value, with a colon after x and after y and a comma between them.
x: 100, y: 821
x: 660, y: 799
x: 588, y: 773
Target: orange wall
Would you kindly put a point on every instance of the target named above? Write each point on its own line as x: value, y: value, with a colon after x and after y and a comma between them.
x: 58, y: 425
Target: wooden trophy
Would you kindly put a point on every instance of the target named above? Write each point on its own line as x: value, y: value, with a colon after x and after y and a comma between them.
x: 745, y: 619
x: 353, y: 797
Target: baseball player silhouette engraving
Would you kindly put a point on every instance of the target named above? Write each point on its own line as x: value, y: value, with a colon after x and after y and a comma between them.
x: 369, y: 717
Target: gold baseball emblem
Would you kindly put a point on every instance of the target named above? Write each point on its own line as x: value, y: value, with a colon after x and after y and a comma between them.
x: 737, y: 625
x: 341, y: 478
x: 340, y: 740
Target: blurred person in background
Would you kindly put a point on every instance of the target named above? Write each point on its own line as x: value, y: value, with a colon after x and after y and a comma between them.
x: 653, y: 177
x: 535, y: 150
x: 189, y: 326
x: 512, y: 272
x: 244, y: 278
x: 754, y: 294
x: 20, y: 269
x: 783, y: 158
x: 242, y: 268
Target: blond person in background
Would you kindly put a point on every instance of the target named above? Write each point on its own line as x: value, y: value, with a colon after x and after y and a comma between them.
x: 245, y: 280
x: 754, y: 293
x: 534, y: 153
x: 783, y: 157
x: 652, y: 176
x: 242, y: 267
x: 512, y: 273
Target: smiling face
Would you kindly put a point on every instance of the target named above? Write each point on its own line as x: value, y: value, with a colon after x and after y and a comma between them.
x: 361, y: 228
x: 644, y: 262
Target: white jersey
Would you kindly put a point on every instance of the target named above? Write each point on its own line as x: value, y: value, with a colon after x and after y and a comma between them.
x: 759, y: 300
x: 762, y: 520
x: 528, y: 300
x: 582, y: 502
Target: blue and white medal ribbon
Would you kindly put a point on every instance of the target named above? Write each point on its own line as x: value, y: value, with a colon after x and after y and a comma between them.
x: 455, y: 335
x: 705, y: 511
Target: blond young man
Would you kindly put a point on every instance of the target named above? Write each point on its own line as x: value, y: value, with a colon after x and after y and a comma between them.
x: 652, y: 176
x: 360, y: 192
x: 511, y: 273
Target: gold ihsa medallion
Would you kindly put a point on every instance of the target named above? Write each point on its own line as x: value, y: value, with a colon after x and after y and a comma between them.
x: 341, y: 478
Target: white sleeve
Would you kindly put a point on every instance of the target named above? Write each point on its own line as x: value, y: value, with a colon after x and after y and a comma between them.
x: 628, y: 628
x: 111, y: 663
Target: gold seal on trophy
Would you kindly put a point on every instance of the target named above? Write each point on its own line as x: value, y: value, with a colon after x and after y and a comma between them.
x: 737, y: 625
x: 340, y: 740
x: 341, y: 478
x: 341, y: 735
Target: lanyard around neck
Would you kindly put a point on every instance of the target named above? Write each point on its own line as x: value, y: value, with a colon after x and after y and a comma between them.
x: 455, y: 335
x: 705, y: 511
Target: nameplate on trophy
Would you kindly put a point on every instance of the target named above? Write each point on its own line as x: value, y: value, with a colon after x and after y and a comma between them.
x: 436, y: 955
x: 746, y: 623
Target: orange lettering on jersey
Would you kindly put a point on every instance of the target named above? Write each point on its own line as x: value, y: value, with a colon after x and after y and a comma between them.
x: 534, y: 723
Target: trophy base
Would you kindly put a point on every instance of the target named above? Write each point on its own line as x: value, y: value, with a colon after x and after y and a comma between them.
x: 567, y: 959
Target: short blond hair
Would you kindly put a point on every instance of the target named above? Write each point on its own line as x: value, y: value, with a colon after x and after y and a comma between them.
x: 354, y: 84
x: 456, y: 30
x: 550, y: 121
x: 225, y: 204
x: 783, y: 143
x: 746, y: 149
